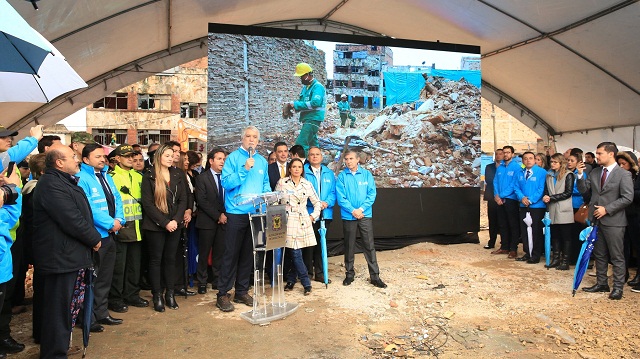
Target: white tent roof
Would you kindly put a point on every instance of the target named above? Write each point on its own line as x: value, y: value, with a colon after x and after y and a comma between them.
x: 559, y: 66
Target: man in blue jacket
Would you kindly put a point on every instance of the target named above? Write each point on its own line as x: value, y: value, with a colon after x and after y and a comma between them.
x: 529, y: 190
x: 324, y: 182
x: 108, y: 217
x: 504, y: 185
x: 356, y: 192
x: 244, y: 172
x: 9, y: 215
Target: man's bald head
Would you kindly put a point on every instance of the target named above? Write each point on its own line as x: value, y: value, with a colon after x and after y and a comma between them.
x: 62, y: 158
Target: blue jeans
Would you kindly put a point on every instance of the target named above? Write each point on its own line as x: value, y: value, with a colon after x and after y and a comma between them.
x: 299, y: 269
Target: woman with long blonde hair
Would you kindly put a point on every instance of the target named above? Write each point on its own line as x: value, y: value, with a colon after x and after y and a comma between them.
x: 557, y: 195
x: 164, y: 202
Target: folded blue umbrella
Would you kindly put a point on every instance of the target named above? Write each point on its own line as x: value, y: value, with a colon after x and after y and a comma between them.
x: 323, y: 246
x: 589, y: 236
x: 547, y: 239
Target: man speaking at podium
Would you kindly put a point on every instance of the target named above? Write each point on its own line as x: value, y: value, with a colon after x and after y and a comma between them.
x: 244, y: 172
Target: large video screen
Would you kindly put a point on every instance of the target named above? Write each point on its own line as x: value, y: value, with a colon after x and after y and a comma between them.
x: 411, y: 109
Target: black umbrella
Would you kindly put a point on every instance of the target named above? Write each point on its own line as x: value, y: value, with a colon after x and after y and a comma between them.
x: 90, y: 273
x: 185, y: 259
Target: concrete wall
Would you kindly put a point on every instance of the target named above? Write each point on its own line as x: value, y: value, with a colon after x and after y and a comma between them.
x: 268, y: 82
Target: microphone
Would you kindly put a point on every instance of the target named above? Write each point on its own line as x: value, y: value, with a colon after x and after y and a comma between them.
x: 251, y: 152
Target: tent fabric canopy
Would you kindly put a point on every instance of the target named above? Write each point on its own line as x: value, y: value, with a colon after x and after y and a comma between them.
x: 559, y: 66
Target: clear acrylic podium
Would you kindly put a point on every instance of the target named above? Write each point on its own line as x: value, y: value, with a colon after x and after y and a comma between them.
x: 269, y: 232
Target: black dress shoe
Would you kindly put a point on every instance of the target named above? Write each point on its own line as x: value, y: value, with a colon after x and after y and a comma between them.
x: 523, y: 258
x: 378, y: 283
x: 616, y: 294
x: 288, y: 286
x: 184, y: 292
x: 10, y: 346
x: 118, y: 307
x: 488, y: 247
x: 138, y: 302
x: 597, y: 288
x: 202, y: 289
x: 347, y: 281
x: 110, y: 321
x: 96, y: 328
x: 307, y: 290
x: 533, y: 261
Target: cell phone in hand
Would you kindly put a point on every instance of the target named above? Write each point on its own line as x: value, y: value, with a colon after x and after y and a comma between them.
x: 10, y: 168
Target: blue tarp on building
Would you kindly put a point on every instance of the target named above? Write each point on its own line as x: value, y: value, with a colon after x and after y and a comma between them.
x: 472, y: 77
x: 401, y: 87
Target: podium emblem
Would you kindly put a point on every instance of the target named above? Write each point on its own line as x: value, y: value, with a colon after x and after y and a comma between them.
x: 277, y: 222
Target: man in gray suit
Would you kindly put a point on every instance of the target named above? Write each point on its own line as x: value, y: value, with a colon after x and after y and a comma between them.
x: 611, y: 190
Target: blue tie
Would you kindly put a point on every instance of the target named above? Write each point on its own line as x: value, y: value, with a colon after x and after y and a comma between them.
x: 107, y: 194
x: 220, y: 191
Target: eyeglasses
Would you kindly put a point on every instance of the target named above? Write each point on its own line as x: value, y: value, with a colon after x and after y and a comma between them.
x: 75, y: 157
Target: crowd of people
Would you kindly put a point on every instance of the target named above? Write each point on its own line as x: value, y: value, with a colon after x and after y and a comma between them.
x: 526, y: 187
x: 119, y: 218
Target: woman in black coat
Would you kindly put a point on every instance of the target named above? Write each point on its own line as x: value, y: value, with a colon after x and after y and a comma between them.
x: 164, y: 202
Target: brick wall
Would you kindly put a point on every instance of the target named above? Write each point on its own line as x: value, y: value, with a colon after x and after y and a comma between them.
x: 509, y: 131
x: 271, y: 63
x: 132, y: 135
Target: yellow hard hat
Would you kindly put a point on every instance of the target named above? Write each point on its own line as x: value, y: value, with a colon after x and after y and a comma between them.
x: 302, y: 69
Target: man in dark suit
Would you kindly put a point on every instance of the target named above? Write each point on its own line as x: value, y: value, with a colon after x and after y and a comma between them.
x: 611, y: 189
x: 211, y: 220
x: 151, y: 150
x: 278, y: 169
x: 63, y: 237
x: 492, y: 206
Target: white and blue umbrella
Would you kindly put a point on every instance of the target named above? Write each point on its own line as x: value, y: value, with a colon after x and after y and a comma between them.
x: 31, y: 69
x: 21, y: 49
x: 529, y: 221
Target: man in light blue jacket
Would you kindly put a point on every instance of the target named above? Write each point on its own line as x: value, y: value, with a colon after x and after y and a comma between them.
x: 244, y: 173
x: 529, y: 190
x: 108, y: 217
x: 356, y: 192
x: 505, y: 195
x: 324, y: 183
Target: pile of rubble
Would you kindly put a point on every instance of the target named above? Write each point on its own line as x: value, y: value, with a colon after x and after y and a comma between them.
x: 436, y: 144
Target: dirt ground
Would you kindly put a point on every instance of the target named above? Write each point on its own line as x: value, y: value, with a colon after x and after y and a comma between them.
x: 445, y: 301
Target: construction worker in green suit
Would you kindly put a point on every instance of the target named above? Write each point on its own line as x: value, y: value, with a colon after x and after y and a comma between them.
x: 311, y: 105
x: 345, y: 112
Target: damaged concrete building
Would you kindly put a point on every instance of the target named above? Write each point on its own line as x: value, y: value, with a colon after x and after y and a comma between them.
x: 171, y: 105
x: 358, y: 73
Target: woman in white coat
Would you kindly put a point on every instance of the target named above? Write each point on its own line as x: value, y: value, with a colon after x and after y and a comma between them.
x: 299, y: 222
